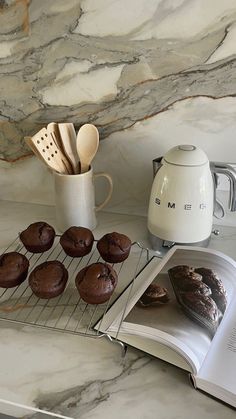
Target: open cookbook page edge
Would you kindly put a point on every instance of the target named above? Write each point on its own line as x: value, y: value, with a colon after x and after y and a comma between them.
x: 118, y: 312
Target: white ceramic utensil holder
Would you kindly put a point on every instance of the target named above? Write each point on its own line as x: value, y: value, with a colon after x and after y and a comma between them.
x: 75, y: 199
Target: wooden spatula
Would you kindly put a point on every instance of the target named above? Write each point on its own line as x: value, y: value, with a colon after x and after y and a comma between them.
x: 54, y: 132
x: 68, y: 139
x: 47, y: 147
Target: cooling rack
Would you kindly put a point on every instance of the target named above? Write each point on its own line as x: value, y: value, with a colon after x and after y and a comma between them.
x: 68, y: 312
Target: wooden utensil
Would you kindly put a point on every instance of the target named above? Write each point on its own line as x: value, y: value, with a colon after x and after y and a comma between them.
x: 47, y: 147
x: 87, y: 142
x: 48, y: 163
x: 33, y: 148
x: 68, y: 139
x: 53, y: 130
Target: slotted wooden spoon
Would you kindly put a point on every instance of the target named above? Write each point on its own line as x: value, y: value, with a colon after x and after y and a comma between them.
x: 47, y: 147
x: 53, y: 130
x: 48, y: 163
x: 33, y: 148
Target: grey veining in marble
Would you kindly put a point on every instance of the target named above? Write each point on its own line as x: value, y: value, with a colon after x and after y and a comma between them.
x: 112, y: 63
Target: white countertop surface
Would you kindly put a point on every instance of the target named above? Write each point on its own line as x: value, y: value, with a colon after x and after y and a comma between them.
x: 76, y: 377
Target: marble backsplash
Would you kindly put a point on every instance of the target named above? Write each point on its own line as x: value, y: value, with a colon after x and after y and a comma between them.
x: 149, y: 75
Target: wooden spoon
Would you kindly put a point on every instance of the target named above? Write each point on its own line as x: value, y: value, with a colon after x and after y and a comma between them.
x: 87, y: 144
x: 68, y: 139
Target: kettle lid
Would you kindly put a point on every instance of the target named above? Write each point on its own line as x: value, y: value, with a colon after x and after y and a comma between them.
x: 186, y: 155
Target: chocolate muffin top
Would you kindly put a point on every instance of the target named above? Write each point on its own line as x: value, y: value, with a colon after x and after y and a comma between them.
x: 48, y: 279
x: 13, y: 269
x: 77, y: 241
x: 96, y: 282
x: 38, y: 237
x: 185, y: 281
x: 220, y: 299
x: 154, y: 295
x: 181, y: 268
x: 219, y: 294
x: 114, y: 247
x: 179, y: 271
x: 211, y: 279
x: 202, y: 305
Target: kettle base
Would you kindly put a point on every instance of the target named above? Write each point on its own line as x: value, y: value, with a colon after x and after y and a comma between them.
x: 162, y: 246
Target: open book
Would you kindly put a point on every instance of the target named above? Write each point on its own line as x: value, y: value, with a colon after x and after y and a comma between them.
x: 178, y: 333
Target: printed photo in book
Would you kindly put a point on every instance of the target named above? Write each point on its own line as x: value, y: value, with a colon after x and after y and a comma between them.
x: 183, y: 309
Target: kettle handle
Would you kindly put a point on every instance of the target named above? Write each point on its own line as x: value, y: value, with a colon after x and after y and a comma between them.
x: 227, y: 170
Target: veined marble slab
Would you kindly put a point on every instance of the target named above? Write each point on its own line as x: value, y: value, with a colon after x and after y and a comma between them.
x: 112, y: 63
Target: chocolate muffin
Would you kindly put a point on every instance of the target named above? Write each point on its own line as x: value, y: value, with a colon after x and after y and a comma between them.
x: 193, y: 286
x: 77, y: 241
x: 114, y: 247
x: 198, y: 287
x: 13, y: 269
x: 154, y: 295
x: 219, y: 294
x: 38, y: 237
x: 48, y: 280
x: 186, y: 280
x: 202, y: 305
x: 220, y: 299
x: 211, y: 279
x: 96, y: 283
x: 180, y: 271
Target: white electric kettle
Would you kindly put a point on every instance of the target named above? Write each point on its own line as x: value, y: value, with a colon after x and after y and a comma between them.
x: 183, y: 197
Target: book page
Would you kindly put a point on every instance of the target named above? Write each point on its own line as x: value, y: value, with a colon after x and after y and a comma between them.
x: 169, y: 318
x: 169, y: 323
x: 220, y: 363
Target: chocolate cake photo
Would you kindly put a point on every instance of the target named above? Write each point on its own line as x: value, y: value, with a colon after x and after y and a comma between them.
x: 155, y: 295
x: 200, y: 293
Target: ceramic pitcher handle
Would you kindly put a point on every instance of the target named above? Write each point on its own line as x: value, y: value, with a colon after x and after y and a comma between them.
x: 108, y: 177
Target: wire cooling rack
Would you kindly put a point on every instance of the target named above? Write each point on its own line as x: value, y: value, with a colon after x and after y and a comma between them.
x: 68, y: 312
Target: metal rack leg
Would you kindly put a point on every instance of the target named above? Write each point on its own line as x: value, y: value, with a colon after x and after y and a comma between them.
x: 121, y: 344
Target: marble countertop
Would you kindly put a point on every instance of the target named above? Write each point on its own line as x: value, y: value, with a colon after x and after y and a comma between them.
x: 49, y: 373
